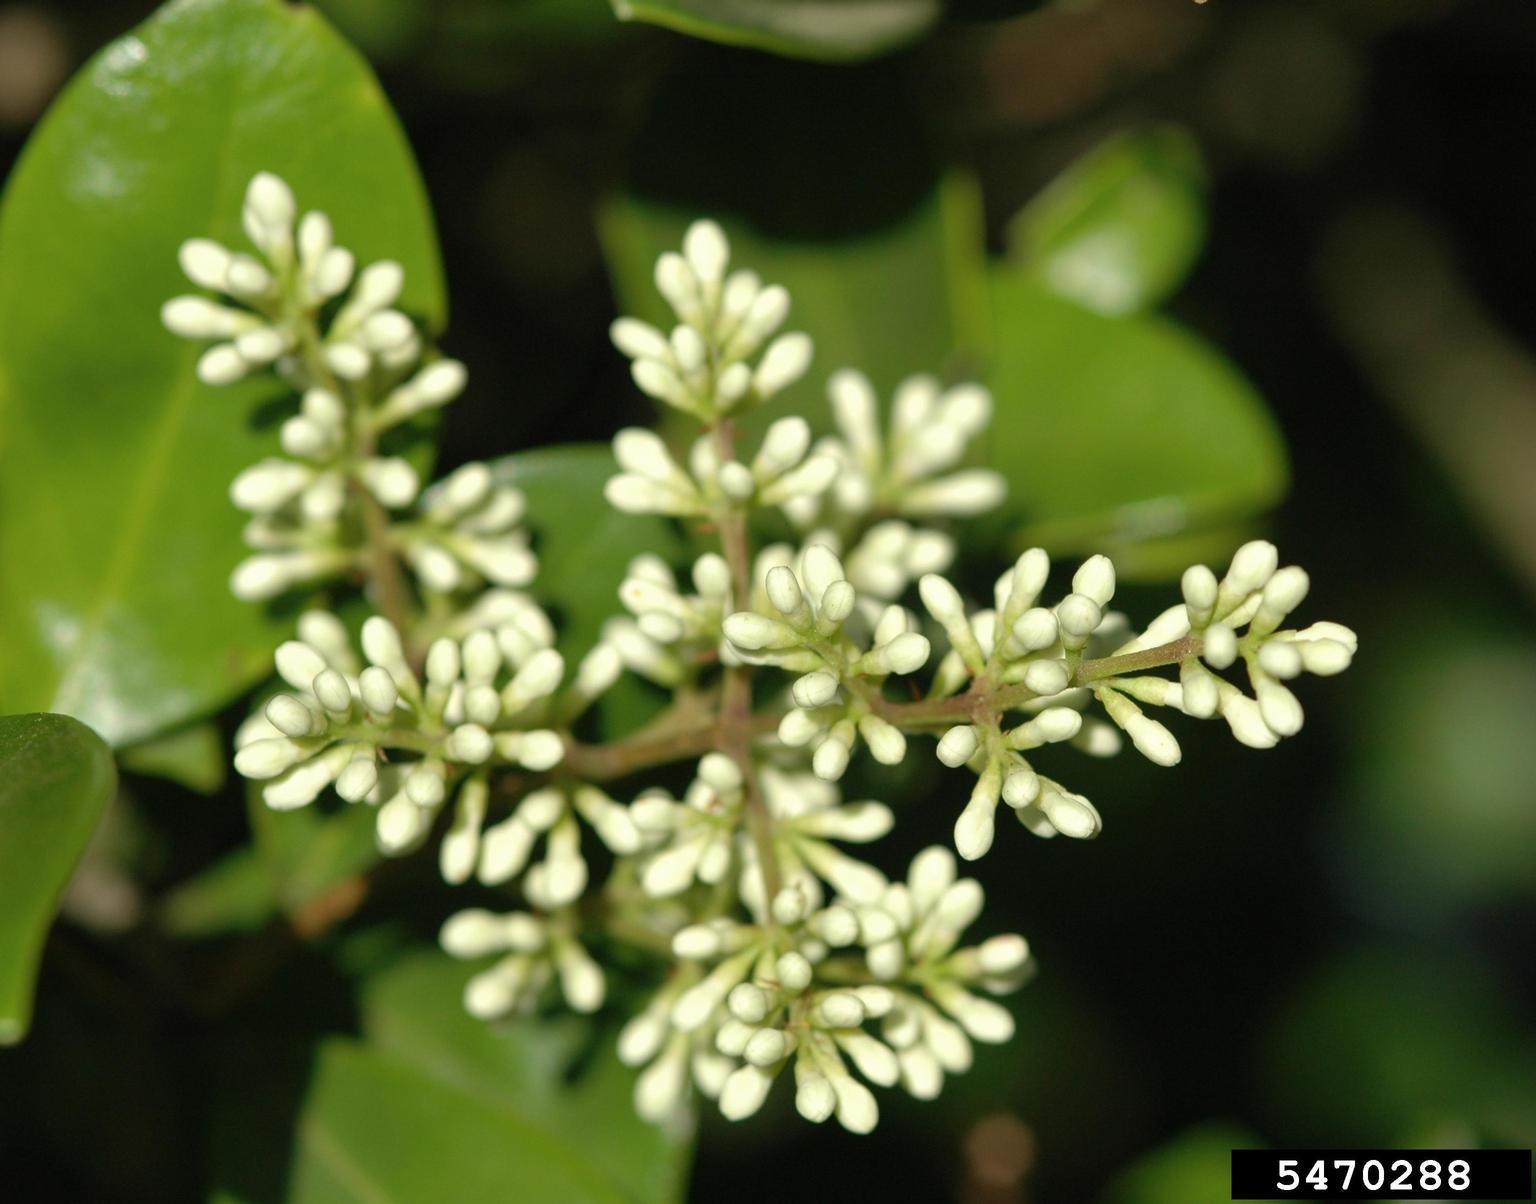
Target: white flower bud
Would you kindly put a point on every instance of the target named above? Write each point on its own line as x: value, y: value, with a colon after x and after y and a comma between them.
x: 707, y: 251
x: 794, y: 972
x: 470, y: 744
x: 1036, y: 629
x: 1324, y: 657
x: 974, y: 828
x: 840, y: 1009
x: 744, y: 1092
x: 1071, y: 814
x: 269, y: 485
x: 886, y: 743
x: 1252, y: 566
x: 266, y: 758
x: 290, y: 716
x: 814, y: 1097
x: 359, y: 778
x: 784, y: 446
x: 639, y: 340
x: 814, y: 689
x: 974, y: 491
x: 379, y: 692
x: 736, y: 481
x: 393, y: 481
x: 1280, y: 658
x: 1279, y: 708
x: 1199, y: 587
x: 205, y: 263
x: 332, y: 691
x: 957, y: 746
x: 1048, y: 677
x: 1245, y: 719
x: 785, y: 362
x: 754, y: 632
x: 1220, y: 648
x: 1201, y: 696
x: 768, y: 1047
x: 1021, y: 787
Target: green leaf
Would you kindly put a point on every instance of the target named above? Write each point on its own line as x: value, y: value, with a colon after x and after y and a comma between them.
x: 294, y: 857
x: 1195, y: 1165
x: 193, y: 756
x: 56, y: 777
x: 810, y: 29
x: 1114, y: 432
x: 823, y: 184
x: 1120, y: 228
x: 560, y: 1073
x: 432, y: 1101
x: 584, y: 545
x: 116, y: 539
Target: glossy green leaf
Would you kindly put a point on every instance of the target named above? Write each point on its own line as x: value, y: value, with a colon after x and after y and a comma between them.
x: 811, y: 29
x: 561, y: 1074
x: 1120, y: 228
x: 116, y: 536
x: 56, y: 777
x: 193, y: 756
x: 430, y: 1100
x: 376, y: 1130
x: 1114, y: 432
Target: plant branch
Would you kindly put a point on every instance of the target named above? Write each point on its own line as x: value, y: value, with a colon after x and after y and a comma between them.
x: 980, y: 703
x: 386, y: 580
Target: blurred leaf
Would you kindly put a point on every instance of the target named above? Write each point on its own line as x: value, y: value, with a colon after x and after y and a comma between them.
x: 375, y: 1129
x: 1194, y: 1166
x: 56, y: 777
x: 191, y: 756
x: 811, y: 29
x: 115, y: 541
x: 234, y: 894
x: 1117, y: 431
x: 309, y: 851
x: 560, y: 1074
x: 584, y: 544
x: 1119, y: 229
x: 1437, y: 816
x: 823, y: 182
x: 880, y: 301
x: 1383, y: 1044
x: 294, y: 858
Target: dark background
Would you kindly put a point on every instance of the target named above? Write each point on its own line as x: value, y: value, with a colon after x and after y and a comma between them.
x: 1328, y: 944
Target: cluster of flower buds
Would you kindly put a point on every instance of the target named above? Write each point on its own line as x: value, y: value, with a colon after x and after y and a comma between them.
x: 535, y: 950
x: 491, y: 699
x: 876, y: 981
x: 786, y: 951
x: 702, y: 837
x: 784, y: 473
x: 724, y: 320
x: 910, y: 470
x: 360, y: 374
x: 1239, y: 617
x: 1033, y: 659
x: 468, y: 534
x: 807, y: 634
